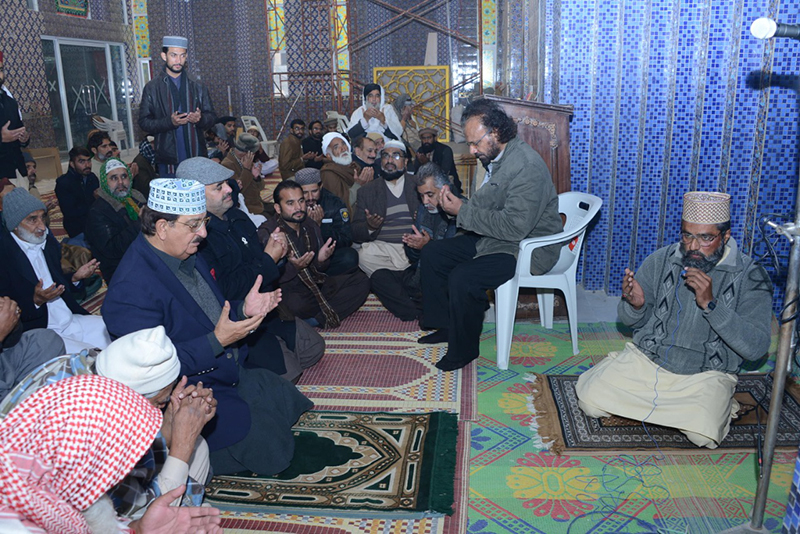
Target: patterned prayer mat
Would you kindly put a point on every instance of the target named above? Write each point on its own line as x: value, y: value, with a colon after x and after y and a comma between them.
x: 357, y: 461
x: 564, y: 428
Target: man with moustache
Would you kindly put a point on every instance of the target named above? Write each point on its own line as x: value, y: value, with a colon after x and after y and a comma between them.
x: 163, y: 281
x: 384, y: 213
x: 14, y: 134
x: 699, y: 309
x: 31, y: 275
x: 75, y: 191
x: 176, y: 110
x: 365, y: 153
x: 339, y: 175
x: 113, y: 221
x: 375, y: 115
x: 400, y: 291
x: 439, y: 153
x: 228, y: 122
x: 333, y: 218
x: 99, y: 144
x: 313, y: 143
x: 516, y: 200
x: 236, y: 259
x: 291, y: 157
x: 308, y: 292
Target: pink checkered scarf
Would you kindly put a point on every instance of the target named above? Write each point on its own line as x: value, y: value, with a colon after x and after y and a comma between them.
x: 66, y: 445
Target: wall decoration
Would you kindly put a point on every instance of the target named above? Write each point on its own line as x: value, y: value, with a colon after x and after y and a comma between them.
x: 141, y: 29
x: 75, y: 8
x: 424, y: 84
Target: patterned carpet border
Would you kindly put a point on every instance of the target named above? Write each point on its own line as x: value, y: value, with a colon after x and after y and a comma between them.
x: 564, y: 428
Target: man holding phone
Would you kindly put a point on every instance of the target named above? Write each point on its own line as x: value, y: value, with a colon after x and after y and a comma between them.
x: 176, y: 110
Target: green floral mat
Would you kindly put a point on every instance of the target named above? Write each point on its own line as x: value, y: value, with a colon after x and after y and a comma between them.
x: 517, y: 487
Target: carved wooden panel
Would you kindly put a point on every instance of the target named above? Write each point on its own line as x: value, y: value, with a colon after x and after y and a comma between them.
x: 546, y: 128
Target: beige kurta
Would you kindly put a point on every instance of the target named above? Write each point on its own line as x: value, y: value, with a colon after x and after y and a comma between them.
x: 629, y: 384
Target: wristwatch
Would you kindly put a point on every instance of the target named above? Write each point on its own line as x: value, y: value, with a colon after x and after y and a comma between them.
x: 711, y: 305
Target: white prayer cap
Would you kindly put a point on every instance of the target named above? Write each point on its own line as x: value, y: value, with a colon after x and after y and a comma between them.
x: 146, y: 361
x: 393, y: 143
x: 175, y: 41
x: 702, y: 207
x: 113, y: 164
x: 329, y: 137
x: 177, y: 196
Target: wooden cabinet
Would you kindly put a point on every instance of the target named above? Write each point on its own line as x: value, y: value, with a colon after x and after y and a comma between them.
x: 546, y: 128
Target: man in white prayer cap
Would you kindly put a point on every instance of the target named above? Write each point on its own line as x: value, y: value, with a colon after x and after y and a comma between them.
x: 699, y: 308
x: 163, y: 281
x: 339, y: 174
x: 176, y: 109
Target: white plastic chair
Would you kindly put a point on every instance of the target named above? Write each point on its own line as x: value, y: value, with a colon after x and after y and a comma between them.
x: 580, y: 209
x: 114, y: 129
x: 341, y: 120
x: 270, y: 147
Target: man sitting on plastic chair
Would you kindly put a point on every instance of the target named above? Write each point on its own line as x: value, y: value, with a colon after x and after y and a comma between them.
x: 516, y: 200
x: 699, y: 308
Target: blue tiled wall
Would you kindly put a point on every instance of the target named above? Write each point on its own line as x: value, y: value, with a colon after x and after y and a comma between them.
x: 667, y: 100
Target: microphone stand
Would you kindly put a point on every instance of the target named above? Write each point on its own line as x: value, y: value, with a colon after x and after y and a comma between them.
x: 782, y: 366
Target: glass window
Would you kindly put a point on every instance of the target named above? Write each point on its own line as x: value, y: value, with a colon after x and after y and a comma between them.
x: 54, y: 94
x: 123, y: 89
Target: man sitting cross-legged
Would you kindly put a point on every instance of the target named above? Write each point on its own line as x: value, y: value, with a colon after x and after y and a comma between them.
x: 699, y: 309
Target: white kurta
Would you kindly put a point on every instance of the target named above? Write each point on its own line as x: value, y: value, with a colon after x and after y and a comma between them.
x: 629, y: 384
x: 78, y: 331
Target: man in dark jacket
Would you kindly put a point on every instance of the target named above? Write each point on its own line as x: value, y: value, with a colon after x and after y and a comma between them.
x: 333, y: 218
x: 76, y: 193
x: 313, y: 143
x: 176, y: 110
x: 401, y: 291
x: 517, y: 200
x: 439, y: 153
x: 113, y: 221
x: 14, y: 134
x: 236, y: 259
x: 162, y: 281
x: 384, y: 212
x: 31, y: 275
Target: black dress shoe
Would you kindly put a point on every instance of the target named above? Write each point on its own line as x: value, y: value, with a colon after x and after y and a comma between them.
x: 451, y: 364
x: 440, y: 336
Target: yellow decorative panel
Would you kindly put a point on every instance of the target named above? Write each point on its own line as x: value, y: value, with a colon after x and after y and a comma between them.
x: 428, y: 86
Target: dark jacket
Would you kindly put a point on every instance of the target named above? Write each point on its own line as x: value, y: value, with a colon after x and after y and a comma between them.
x: 336, y: 221
x: 75, y: 198
x: 109, y: 231
x: 155, y: 118
x: 442, y: 155
x: 145, y: 293
x: 235, y: 256
x: 18, y: 280
x: 438, y: 225
x: 372, y: 197
x: 310, y: 144
x: 146, y: 174
x: 11, y: 159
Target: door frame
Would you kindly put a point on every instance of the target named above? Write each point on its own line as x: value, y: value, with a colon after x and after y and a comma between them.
x: 106, y: 45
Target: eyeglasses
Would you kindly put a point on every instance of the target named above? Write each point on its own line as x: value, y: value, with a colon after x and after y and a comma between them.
x: 704, y: 240
x: 394, y: 155
x: 195, y: 226
x: 469, y: 143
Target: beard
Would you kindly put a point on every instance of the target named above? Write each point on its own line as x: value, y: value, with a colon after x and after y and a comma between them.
x: 30, y: 237
x: 698, y: 260
x: 296, y: 217
x: 391, y: 176
x: 177, y: 69
x: 101, y: 156
x: 121, y: 195
x: 345, y: 159
x: 425, y: 147
x: 431, y: 208
x: 491, y: 154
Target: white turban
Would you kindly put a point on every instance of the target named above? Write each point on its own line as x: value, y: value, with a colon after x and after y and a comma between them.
x: 146, y: 361
x: 328, y: 137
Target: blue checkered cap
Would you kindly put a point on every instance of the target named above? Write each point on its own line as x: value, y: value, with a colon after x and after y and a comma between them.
x: 177, y: 196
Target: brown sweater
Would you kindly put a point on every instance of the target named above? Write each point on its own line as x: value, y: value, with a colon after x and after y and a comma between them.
x: 250, y: 188
x: 290, y: 156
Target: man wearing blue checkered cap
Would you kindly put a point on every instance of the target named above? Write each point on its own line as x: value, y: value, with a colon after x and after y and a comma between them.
x: 162, y: 281
x: 175, y: 109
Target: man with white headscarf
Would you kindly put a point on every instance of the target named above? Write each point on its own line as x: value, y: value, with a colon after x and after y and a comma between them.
x: 341, y: 176
x: 699, y: 309
x: 113, y: 220
x: 375, y: 115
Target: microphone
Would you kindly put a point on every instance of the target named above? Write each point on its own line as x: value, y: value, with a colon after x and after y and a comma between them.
x: 765, y: 28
